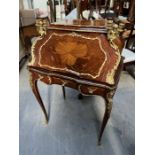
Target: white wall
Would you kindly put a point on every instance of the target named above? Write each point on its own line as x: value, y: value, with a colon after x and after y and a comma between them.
x: 42, y: 4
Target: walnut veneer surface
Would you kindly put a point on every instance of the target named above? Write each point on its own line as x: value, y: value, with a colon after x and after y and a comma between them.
x: 77, y: 54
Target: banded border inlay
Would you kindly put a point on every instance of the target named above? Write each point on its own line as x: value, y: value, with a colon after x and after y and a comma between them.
x: 66, y: 69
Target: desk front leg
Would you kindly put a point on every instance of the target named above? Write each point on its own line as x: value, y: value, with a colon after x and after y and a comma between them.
x: 34, y: 86
x: 108, y: 104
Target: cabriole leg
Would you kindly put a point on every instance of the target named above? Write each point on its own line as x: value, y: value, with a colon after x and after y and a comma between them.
x: 33, y: 83
x: 108, y: 104
x: 80, y: 96
x: 64, y: 92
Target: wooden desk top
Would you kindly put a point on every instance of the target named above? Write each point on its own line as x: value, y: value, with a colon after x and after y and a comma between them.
x: 90, y: 26
x: 81, y: 23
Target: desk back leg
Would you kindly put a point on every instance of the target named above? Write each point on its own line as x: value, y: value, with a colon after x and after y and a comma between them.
x: 80, y: 96
x: 64, y: 92
x: 34, y: 86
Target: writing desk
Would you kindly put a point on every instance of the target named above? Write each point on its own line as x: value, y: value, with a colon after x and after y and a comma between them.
x: 84, y: 55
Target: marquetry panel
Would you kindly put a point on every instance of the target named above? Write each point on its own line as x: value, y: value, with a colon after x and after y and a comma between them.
x: 85, y: 55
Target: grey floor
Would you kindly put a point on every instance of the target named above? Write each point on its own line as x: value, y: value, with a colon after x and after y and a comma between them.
x: 74, y: 124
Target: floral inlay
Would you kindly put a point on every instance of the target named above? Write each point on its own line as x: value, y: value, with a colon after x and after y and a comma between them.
x: 70, y: 51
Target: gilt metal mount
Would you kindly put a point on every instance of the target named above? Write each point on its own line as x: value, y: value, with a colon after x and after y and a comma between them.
x: 41, y: 25
x: 114, y: 30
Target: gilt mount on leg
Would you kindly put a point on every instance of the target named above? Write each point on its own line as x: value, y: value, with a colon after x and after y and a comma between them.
x: 108, y: 107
